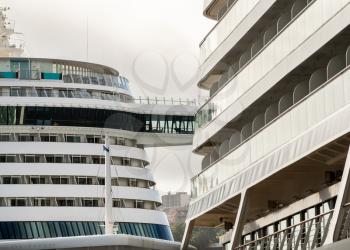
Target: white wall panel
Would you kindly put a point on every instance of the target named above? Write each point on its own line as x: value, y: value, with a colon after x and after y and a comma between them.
x: 70, y: 149
x: 50, y: 190
x: 81, y: 214
x: 64, y: 169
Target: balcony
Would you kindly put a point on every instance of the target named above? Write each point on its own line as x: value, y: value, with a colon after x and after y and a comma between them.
x: 310, y: 102
x: 229, y: 17
x: 283, y: 38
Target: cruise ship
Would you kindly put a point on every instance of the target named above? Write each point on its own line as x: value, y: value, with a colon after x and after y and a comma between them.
x: 275, y: 131
x: 55, y: 116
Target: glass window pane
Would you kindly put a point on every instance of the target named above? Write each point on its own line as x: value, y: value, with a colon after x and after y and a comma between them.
x: 40, y: 230
x: 121, y: 228
x: 46, y: 230
x: 128, y: 229
x: 98, y: 227
x: 63, y: 228
x: 22, y: 230
x: 34, y: 230
x: 28, y: 230
x: 11, y: 231
x: 86, y: 228
x: 81, y: 228
x: 75, y: 228
x: 52, y: 229
x: 92, y: 228
x: 69, y: 228
x: 4, y: 230
x: 58, y: 229
x: 141, y: 230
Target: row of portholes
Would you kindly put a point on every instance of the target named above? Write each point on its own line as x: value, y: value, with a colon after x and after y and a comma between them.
x: 261, y: 42
x: 300, y: 91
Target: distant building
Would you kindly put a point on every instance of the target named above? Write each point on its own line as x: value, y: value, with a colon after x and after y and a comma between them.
x: 175, y: 206
x: 179, y: 199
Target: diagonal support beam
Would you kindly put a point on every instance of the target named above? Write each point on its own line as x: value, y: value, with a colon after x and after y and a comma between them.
x: 187, y: 234
x: 342, y: 199
x: 239, y: 222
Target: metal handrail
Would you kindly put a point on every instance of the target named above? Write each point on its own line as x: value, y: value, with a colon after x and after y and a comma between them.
x: 286, y: 229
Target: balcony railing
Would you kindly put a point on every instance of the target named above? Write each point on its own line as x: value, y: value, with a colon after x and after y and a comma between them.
x: 84, y: 94
x: 230, y: 16
x: 275, y: 110
x: 247, y: 146
x: 252, y: 65
x: 308, y: 234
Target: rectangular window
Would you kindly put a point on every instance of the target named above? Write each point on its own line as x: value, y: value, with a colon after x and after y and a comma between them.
x: 18, y: 202
x: 65, y: 202
x: 25, y: 137
x: 126, y: 161
x: 101, y: 181
x: 4, y: 137
x: 93, y: 139
x: 41, y: 202
x: 78, y: 159
x: 7, y: 158
x: 13, y: 180
x: 90, y: 202
x: 6, y: 180
x: 139, y: 204
x: 60, y: 180
x: 49, y: 138
x: 37, y: 180
x: 31, y: 158
x: 118, y: 203
x: 73, y: 138
x: 132, y: 182
x: 120, y: 141
x: 96, y: 160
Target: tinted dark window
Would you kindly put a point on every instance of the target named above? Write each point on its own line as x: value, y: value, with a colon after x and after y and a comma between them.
x: 60, y: 116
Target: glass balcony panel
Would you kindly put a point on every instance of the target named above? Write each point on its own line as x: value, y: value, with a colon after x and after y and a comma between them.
x: 278, y: 49
x: 225, y: 26
x: 306, y: 114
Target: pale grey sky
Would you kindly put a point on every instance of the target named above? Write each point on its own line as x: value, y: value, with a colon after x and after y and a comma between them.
x: 154, y: 43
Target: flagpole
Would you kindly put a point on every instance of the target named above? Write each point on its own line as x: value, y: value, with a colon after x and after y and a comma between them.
x: 108, y: 190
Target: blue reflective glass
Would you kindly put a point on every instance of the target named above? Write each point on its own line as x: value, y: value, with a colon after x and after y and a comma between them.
x: 63, y: 229
x: 58, y: 229
x: 81, y: 228
x: 22, y: 230
x: 92, y: 228
x: 75, y: 228
x: 34, y: 230
x: 46, y: 230
x: 28, y: 230
x: 52, y: 229
x: 40, y: 230
x: 128, y: 229
x: 17, y: 231
x: 142, y: 231
x: 4, y: 230
x: 10, y: 230
x: 98, y: 227
x: 122, y: 228
x: 86, y: 229
x: 69, y: 228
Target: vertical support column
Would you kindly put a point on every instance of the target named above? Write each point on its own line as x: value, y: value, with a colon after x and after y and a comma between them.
x: 187, y: 234
x: 342, y: 198
x: 108, y: 189
x: 239, y: 222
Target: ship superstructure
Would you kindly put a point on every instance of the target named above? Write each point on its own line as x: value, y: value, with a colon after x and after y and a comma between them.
x: 274, y: 132
x: 54, y: 117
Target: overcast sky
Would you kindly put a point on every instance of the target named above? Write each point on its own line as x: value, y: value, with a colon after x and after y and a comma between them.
x: 154, y: 43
